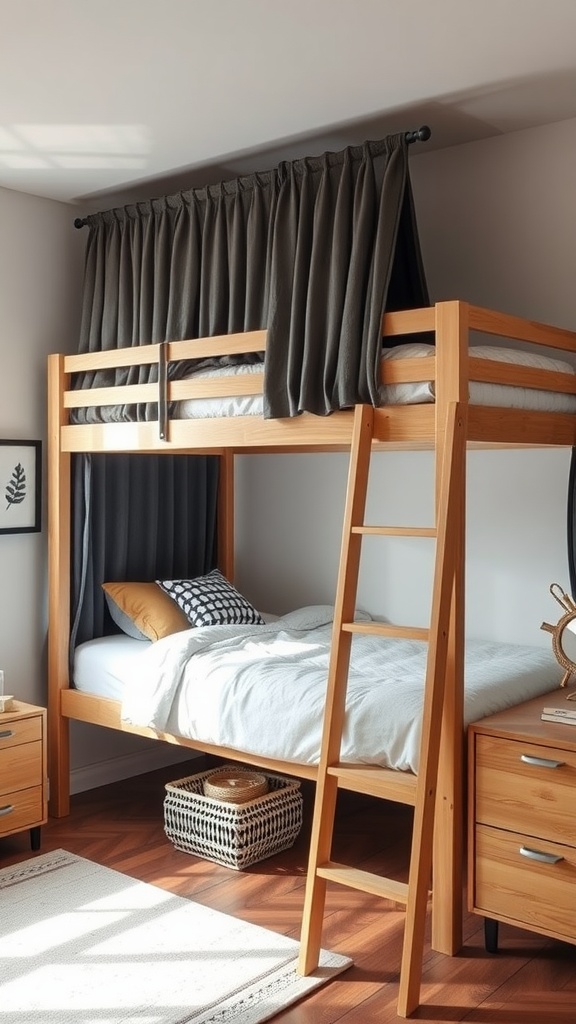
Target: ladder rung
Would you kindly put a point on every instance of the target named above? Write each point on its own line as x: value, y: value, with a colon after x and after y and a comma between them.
x: 366, y: 881
x: 386, y: 629
x: 397, y: 531
x: 381, y: 782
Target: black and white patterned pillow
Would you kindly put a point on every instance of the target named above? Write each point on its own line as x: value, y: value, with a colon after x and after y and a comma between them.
x: 211, y: 601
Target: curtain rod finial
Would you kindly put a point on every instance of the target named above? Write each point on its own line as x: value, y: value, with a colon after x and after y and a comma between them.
x: 79, y: 222
x: 420, y: 135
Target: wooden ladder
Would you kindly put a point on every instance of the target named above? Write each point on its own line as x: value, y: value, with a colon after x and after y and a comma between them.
x: 418, y: 791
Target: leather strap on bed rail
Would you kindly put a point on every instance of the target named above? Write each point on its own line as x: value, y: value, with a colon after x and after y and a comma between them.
x: 163, y: 391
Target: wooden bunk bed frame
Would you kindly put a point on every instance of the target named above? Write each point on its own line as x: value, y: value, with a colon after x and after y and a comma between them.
x: 411, y: 427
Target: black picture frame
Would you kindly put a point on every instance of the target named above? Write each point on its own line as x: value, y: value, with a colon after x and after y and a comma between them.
x: 20, y: 486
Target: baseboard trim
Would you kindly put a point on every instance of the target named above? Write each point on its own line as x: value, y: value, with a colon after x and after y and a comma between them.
x: 127, y: 765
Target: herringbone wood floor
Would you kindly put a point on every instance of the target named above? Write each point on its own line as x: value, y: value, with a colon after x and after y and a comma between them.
x: 532, y: 980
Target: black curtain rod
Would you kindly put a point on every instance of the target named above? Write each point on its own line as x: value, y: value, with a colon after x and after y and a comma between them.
x: 419, y: 135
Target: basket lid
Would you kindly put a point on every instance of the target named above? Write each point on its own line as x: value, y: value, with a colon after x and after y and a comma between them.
x: 235, y: 786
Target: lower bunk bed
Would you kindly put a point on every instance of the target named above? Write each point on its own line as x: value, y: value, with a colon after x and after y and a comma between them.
x: 543, y: 413
x: 258, y: 690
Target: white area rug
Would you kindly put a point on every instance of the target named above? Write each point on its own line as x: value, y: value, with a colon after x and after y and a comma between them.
x: 81, y: 944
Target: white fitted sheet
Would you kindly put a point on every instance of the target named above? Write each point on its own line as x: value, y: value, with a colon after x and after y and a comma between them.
x: 102, y: 666
x: 498, y: 395
x: 261, y: 689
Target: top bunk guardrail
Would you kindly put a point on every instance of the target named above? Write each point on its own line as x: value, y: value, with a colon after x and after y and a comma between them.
x: 515, y: 398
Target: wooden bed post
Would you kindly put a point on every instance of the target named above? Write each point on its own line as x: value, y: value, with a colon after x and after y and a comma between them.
x: 58, y: 592
x: 452, y: 320
x: 226, y: 514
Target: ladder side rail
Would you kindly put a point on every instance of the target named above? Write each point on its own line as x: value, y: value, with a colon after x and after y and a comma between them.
x: 326, y: 785
x: 452, y: 347
x: 434, y: 691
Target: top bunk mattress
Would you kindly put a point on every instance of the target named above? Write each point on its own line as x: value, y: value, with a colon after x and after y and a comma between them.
x: 261, y: 689
x: 422, y: 392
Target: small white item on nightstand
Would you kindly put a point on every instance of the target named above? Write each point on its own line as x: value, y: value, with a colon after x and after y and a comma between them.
x: 566, y: 715
x: 5, y: 699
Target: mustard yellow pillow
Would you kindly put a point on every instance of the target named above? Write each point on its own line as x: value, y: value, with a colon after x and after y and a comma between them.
x: 144, y: 610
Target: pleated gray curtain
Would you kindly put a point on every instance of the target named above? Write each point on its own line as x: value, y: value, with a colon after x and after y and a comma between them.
x: 336, y: 235
x: 186, y: 266
x: 314, y: 251
x: 308, y: 251
x: 138, y: 518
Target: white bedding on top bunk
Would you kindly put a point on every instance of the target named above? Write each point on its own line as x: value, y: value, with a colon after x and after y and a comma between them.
x: 261, y: 689
x: 498, y: 395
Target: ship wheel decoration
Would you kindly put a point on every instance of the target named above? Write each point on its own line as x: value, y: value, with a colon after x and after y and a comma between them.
x: 564, y: 635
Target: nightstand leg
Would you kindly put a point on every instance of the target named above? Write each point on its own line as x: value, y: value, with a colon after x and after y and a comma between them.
x: 35, y: 837
x: 490, y: 935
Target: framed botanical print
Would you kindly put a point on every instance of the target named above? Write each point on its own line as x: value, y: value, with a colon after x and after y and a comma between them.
x: 20, y: 486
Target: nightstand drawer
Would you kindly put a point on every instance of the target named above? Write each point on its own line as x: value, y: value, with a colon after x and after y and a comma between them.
x: 526, y: 787
x: 515, y: 886
x: 20, y: 767
x: 20, y: 730
x: 20, y: 810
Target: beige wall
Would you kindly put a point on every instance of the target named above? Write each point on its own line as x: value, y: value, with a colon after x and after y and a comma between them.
x: 40, y: 271
x: 41, y: 267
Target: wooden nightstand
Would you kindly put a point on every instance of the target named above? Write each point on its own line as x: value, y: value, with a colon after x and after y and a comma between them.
x: 23, y: 779
x: 522, y: 821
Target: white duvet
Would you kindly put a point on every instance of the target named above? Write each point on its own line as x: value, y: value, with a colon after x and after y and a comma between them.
x: 260, y: 689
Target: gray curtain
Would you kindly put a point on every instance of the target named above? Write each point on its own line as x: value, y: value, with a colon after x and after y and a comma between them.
x: 336, y: 237
x: 314, y: 251
x: 137, y: 518
x: 311, y: 251
x: 186, y: 266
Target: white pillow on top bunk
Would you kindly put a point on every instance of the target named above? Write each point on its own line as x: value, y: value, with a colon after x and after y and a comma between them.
x: 211, y: 600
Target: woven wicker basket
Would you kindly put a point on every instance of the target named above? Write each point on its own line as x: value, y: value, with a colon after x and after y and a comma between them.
x: 234, y: 835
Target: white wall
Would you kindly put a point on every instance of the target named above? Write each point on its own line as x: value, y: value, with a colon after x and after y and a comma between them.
x: 497, y: 222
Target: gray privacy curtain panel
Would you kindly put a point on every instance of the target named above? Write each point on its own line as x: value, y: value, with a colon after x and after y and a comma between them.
x: 138, y: 518
x: 309, y: 251
x: 314, y: 251
x: 187, y: 266
x: 335, y: 239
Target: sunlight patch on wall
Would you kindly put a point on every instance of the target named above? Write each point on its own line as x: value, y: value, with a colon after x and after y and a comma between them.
x: 89, y: 146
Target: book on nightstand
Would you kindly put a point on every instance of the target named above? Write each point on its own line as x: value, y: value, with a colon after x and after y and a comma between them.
x: 566, y: 715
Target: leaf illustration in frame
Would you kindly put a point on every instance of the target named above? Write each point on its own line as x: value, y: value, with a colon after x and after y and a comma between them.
x: 20, y: 486
x: 16, y: 488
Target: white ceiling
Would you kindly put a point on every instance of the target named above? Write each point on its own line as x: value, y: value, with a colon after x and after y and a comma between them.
x: 139, y: 97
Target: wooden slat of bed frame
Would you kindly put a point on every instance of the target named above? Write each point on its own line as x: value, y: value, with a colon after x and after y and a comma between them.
x: 199, y: 348
x: 85, y: 707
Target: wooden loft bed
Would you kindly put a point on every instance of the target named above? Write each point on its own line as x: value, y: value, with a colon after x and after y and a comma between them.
x: 394, y: 427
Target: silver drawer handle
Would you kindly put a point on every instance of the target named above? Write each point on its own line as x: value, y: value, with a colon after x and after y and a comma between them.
x: 541, y: 762
x: 544, y: 858
x: 7, y: 809
x: 7, y: 734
